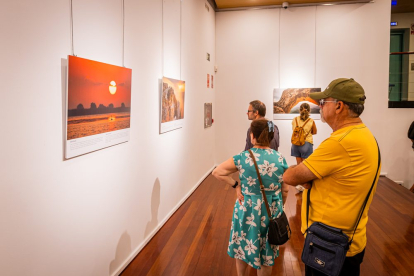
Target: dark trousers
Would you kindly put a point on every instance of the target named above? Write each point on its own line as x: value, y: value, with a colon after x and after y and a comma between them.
x: 350, y: 268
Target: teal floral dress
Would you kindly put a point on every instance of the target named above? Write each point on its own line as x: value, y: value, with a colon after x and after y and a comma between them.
x: 248, y: 234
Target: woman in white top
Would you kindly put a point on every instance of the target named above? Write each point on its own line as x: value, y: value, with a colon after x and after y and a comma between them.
x: 309, y: 129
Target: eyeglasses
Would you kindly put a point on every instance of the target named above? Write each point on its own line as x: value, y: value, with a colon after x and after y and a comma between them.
x: 322, y: 102
x: 248, y: 111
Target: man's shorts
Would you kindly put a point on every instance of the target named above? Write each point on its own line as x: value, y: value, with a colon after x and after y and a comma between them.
x: 302, y: 151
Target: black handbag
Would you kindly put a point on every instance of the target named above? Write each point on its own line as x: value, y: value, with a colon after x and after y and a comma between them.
x: 279, y: 230
x: 325, y: 247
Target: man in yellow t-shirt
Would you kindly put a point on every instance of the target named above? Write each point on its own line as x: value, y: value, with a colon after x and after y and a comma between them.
x: 342, y: 170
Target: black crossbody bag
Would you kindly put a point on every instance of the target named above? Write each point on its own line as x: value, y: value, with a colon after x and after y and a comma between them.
x: 325, y: 246
x: 279, y: 229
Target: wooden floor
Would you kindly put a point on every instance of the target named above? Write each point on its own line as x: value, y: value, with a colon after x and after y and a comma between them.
x: 194, y: 240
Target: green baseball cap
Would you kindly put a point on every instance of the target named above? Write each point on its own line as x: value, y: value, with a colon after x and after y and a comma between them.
x: 347, y: 90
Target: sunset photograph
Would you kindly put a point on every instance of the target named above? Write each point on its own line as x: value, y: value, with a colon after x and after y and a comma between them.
x: 99, y: 97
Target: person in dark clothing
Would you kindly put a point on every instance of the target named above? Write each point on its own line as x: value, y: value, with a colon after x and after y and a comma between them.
x: 257, y: 110
x: 411, y: 133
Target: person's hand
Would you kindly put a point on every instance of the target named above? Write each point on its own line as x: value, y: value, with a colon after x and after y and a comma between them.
x: 307, y: 185
x: 240, y: 196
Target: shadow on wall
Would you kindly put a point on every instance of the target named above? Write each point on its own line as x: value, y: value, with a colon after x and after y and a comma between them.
x: 123, y: 250
x: 155, y: 204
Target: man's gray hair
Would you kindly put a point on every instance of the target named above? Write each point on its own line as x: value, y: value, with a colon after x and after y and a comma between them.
x: 355, y: 110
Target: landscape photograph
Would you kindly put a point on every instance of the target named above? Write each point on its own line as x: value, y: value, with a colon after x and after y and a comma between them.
x: 287, y: 101
x: 98, y: 99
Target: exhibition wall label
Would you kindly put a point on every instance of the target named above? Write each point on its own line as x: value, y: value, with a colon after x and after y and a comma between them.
x: 98, y: 102
x: 208, y: 115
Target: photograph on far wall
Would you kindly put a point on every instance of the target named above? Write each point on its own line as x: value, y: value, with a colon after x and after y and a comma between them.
x: 172, y: 104
x: 287, y: 101
x: 208, y: 115
x: 98, y: 104
x: 208, y: 80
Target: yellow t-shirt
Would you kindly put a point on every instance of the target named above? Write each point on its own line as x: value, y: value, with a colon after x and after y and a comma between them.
x: 307, y: 128
x: 345, y: 164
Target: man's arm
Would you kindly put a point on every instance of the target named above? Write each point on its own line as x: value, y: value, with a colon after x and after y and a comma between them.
x: 298, y: 175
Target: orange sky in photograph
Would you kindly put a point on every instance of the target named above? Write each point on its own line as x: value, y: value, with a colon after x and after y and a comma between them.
x: 179, y: 90
x: 89, y: 81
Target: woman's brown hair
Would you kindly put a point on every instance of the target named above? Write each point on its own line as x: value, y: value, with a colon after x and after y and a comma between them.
x: 304, y: 111
x: 260, y: 130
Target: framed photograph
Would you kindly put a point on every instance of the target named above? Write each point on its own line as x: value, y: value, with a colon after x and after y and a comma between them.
x: 208, y: 80
x: 172, y: 104
x: 98, y: 104
x: 208, y: 115
x: 287, y: 101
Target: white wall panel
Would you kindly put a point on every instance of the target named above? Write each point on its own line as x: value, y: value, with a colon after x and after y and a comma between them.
x: 171, y: 24
x: 297, y: 47
x: 247, y: 44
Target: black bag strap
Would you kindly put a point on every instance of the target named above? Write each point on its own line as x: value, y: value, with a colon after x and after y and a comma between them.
x: 363, y: 206
x: 261, y: 185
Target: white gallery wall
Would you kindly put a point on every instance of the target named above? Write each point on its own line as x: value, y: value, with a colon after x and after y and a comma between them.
x: 89, y: 215
x: 259, y: 50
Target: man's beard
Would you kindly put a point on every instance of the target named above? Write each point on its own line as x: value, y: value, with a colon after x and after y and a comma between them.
x: 321, y: 112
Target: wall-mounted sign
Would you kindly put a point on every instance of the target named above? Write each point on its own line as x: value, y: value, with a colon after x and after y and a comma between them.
x: 208, y: 117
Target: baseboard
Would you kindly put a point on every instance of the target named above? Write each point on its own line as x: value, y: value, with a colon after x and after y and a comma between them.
x: 383, y: 174
x: 161, y: 224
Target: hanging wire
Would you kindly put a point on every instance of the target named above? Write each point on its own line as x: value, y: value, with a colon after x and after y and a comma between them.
x: 314, y: 82
x: 162, y: 39
x: 181, y: 1
x: 279, y: 44
x: 123, y: 33
x: 71, y: 23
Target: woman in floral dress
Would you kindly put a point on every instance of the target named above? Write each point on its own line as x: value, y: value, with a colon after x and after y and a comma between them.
x: 248, y: 235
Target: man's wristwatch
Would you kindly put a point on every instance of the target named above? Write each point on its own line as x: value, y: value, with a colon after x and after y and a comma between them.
x: 235, y: 184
